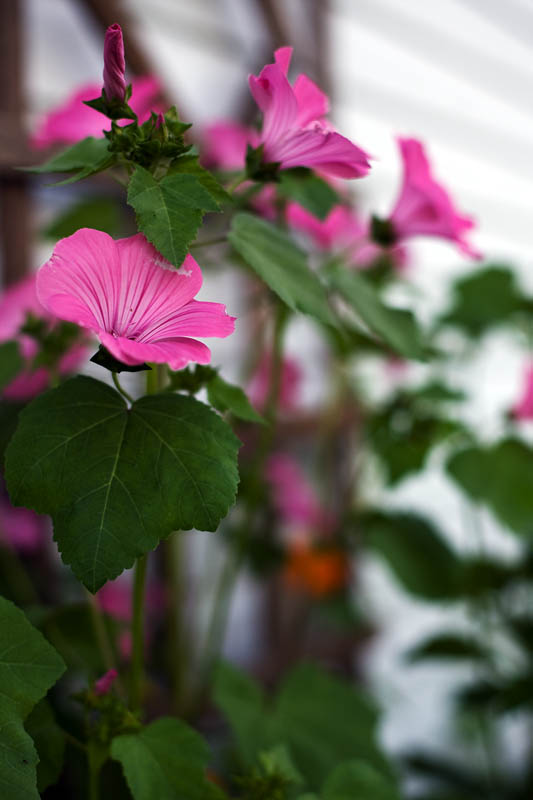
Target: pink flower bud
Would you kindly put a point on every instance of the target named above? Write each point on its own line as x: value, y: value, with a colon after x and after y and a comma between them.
x: 114, y: 64
x: 103, y: 684
x: 160, y: 121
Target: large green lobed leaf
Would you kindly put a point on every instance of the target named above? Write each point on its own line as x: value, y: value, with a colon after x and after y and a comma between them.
x: 29, y: 666
x: 281, y: 265
x: 117, y: 480
x: 166, y: 760
x: 170, y: 211
x: 396, y: 327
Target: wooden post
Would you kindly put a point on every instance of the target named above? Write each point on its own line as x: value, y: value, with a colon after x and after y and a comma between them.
x: 15, y: 230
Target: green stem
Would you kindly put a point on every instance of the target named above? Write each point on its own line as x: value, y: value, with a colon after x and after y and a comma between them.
x: 100, y: 632
x: 236, y: 183
x: 119, y: 388
x: 95, y: 765
x: 208, y: 242
x: 137, y: 634
x: 230, y: 572
x: 172, y: 553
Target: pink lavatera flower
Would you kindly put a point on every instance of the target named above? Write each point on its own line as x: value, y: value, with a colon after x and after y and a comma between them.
x: 114, y: 64
x: 294, y: 498
x: 20, y: 528
x: 16, y: 303
x: 343, y: 232
x: 523, y: 409
x: 73, y: 120
x: 140, y: 306
x: 424, y: 207
x: 290, y: 384
x: 295, y: 132
x: 224, y: 144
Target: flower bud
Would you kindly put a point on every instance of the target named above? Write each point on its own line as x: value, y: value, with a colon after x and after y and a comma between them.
x: 103, y: 684
x: 114, y: 64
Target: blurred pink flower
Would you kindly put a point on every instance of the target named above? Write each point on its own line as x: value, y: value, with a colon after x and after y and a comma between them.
x: 138, y: 304
x: 73, y: 120
x: 103, y: 685
x: 424, y: 207
x: 225, y: 143
x: 290, y: 384
x: 20, y: 528
x: 343, y: 230
x: 294, y: 498
x: 523, y: 409
x: 295, y: 132
x: 114, y: 64
x: 16, y: 303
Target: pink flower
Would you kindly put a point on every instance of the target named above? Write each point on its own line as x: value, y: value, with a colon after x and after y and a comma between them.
x: 73, y: 120
x: 225, y: 143
x: 423, y: 206
x: 114, y: 64
x: 103, y: 685
x: 290, y: 384
x: 294, y: 498
x: 523, y: 409
x: 295, y: 132
x: 342, y: 230
x: 16, y: 303
x: 20, y: 528
x: 139, y: 306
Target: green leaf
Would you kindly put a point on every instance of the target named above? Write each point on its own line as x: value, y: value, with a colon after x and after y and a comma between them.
x: 116, y: 481
x: 309, y: 190
x: 487, y: 298
x: 396, y: 327
x: 29, y: 666
x: 275, y: 258
x: 403, y: 435
x: 101, y: 213
x: 324, y: 721
x: 356, y: 780
x: 10, y: 363
x: 188, y: 165
x: 500, y: 477
x: 242, y: 702
x: 8, y: 423
x: 170, y: 211
x: 49, y: 741
x: 86, y: 154
x: 165, y: 760
x: 226, y: 397
x: 321, y: 720
x: 446, y: 647
x: 417, y: 554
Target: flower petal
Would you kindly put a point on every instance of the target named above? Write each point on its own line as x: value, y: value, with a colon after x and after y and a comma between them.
x: 332, y: 153
x: 151, y: 289
x: 313, y: 103
x: 282, y: 57
x: 197, y: 318
x: 80, y: 281
x: 274, y: 95
x: 177, y: 352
